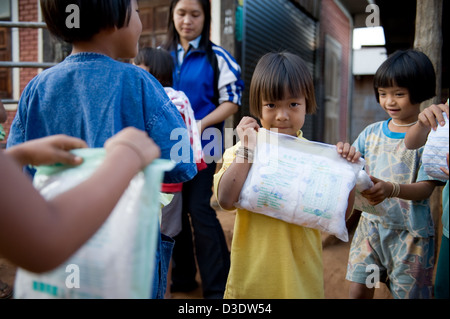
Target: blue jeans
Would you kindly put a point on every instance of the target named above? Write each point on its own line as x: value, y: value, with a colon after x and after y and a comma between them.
x: 163, y: 256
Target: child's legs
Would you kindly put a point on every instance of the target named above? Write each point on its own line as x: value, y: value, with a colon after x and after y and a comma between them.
x: 171, y: 216
x: 168, y: 294
x: 365, y: 268
x: 412, y: 263
x: 442, y: 278
x: 360, y: 291
x: 171, y: 227
x: 163, y: 256
x: 393, y: 256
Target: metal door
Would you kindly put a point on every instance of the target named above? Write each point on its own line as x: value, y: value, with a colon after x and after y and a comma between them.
x: 276, y: 25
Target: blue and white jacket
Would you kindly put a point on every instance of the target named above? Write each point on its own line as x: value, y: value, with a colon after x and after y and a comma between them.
x: 195, y: 76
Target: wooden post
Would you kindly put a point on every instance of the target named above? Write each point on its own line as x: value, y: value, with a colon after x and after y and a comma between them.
x: 429, y: 40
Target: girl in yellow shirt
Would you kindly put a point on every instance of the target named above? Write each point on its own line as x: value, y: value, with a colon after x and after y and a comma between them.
x: 272, y: 259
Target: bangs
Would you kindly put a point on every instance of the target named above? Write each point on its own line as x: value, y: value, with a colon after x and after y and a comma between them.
x: 279, y: 76
x: 408, y: 69
x: 281, y: 82
x: 393, y: 74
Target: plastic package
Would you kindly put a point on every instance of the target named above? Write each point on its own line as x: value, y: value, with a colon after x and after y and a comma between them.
x: 118, y: 260
x: 435, y: 151
x: 300, y: 182
x: 363, y: 182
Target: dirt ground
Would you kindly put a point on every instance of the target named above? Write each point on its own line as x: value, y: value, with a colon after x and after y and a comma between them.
x: 335, y: 254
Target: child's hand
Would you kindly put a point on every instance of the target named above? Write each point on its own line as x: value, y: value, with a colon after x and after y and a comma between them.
x: 379, y: 192
x: 433, y: 113
x: 348, y: 152
x: 139, y: 141
x: 445, y: 169
x: 48, y: 150
x: 247, y: 130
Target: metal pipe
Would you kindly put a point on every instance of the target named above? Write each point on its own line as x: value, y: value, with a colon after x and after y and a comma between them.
x: 7, y: 101
x: 44, y: 65
x: 34, y: 25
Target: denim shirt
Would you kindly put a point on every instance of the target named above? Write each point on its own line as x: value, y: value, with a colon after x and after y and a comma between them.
x: 92, y: 97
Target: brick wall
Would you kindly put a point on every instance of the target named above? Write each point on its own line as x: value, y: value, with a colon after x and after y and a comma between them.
x: 28, y: 40
x: 337, y: 25
x: 28, y: 44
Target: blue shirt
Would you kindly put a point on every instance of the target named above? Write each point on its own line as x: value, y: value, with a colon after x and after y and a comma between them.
x: 388, y: 159
x: 194, y: 75
x: 93, y: 97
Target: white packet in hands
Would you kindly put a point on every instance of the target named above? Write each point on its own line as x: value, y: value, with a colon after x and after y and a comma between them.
x: 435, y: 151
x: 118, y: 261
x: 300, y: 182
x: 363, y: 183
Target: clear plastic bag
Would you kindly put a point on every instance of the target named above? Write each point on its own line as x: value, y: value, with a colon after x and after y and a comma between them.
x: 300, y: 182
x: 435, y: 151
x: 363, y: 182
x: 118, y: 260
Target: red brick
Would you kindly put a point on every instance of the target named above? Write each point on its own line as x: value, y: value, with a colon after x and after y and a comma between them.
x: 336, y: 24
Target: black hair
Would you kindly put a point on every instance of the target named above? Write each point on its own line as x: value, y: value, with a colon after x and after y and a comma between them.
x: 95, y: 15
x: 410, y: 69
x: 278, y: 74
x: 172, y: 38
x: 159, y: 62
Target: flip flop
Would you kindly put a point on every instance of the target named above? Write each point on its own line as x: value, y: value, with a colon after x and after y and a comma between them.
x: 6, y: 291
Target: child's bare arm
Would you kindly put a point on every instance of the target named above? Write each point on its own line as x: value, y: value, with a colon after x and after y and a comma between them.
x: 38, y: 235
x: 417, y: 135
x: 233, y: 179
x: 382, y: 190
x: 47, y: 150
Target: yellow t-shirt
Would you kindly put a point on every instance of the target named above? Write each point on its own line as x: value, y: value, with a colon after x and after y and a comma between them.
x: 271, y: 259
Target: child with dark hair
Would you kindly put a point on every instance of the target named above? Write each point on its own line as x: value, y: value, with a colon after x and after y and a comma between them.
x: 407, y: 69
x: 160, y: 64
x: 92, y: 96
x: 270, y: 258
x: 399, y: 241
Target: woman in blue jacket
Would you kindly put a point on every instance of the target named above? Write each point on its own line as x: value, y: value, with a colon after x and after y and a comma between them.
x: 211, y: 78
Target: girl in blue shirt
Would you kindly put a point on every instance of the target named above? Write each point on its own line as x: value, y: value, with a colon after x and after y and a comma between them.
x: 396, y: 246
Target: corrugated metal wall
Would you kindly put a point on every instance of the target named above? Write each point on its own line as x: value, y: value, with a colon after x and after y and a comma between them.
x: 276, y: 25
